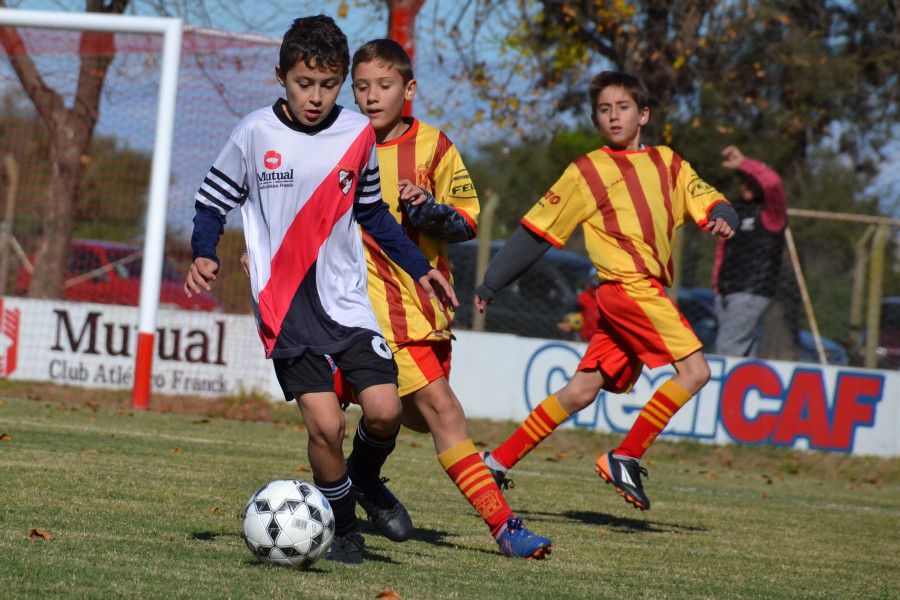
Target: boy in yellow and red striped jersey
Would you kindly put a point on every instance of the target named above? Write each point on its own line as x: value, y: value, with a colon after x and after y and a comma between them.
x: 629, y: 199
x: 428, y: 190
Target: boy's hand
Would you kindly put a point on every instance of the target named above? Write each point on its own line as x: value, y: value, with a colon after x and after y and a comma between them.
x: 202, y: 271
x: 443, y: 291
x: 720, y: 228
x: 411, y: 193
x: 481, y: 305
x: 733, y: 157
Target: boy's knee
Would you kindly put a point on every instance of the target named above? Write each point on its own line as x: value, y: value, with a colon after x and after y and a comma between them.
x: 383, y: 418
x: 697, y: 375
x: 576, y: 397
x: 329, y: 433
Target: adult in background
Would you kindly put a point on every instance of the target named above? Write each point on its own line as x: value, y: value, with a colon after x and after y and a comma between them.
x: 747, y: 267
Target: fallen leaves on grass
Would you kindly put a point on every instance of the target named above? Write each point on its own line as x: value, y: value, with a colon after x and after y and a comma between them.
x: 214, y: 510
x: 389, y: 595
x: 201, y: 421
x: 415, y: 445
x: 767, y: 496
x: 767, y: 479
x: 302, y: 469
x: 176, y: 450
x: 5, y: 437
x: 40, y: 534
x: 601, y: 534
x: 712, y: 475
x: 91, y: 451
x: 561, y: 455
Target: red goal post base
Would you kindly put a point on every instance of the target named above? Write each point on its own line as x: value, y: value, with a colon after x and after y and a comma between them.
x: 143, y: 372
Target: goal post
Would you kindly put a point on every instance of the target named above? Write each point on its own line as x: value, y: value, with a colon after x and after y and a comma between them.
x: 152, y: 262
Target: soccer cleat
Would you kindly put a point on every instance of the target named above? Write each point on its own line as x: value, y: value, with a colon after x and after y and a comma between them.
x: 503, y: 482
x: 386, y: 513
x: 347, y: 548
x: 625, y: 475
x: 517, y: 540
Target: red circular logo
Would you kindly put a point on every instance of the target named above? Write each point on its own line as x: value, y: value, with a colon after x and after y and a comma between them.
x: 272, y: 160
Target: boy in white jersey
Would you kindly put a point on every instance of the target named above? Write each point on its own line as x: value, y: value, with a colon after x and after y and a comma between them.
x: 304, y: 172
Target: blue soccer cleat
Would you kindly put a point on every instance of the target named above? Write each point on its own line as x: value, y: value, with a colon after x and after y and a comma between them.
x: 517, y: 540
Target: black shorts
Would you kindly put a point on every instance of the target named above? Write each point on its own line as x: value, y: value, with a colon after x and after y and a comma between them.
x: 366, y: 363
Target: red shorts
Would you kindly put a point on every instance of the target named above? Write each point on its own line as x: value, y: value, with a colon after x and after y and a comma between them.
x: 639, y: 325
x: 417, y: 365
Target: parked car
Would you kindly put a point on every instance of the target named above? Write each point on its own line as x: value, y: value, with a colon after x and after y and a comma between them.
x: 698, y: 307
x: 110, y: 273
x: 531, y: 306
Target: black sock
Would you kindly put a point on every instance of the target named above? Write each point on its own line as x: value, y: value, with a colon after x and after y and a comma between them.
x: 369, y: 454
x: 342, y: 502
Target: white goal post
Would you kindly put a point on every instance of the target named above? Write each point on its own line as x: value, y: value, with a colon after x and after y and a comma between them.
x: 151, y: 273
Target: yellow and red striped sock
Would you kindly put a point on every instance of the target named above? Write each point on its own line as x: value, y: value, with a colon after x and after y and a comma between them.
x: 466, y: 468
x: 653, y: 418
x: 548, y: 415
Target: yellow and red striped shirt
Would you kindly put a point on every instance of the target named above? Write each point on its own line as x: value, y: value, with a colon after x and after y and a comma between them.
x: 629, y: 204
x: 425, y: 156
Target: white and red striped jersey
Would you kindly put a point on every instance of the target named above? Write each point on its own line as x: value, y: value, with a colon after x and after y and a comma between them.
x: 301, y: 190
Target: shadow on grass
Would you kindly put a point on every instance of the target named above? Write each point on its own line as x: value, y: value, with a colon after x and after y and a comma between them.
x: 253, y: 562
x: 426, y: 535
x: 209, y: 536
x: 622, y: 524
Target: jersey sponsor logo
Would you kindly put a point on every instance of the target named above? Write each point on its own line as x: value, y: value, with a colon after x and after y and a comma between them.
x: 345, y: 180
x: 272, y: 160
x: 9, y: 340
x: 462, y: 186
x: 379, y: 345
x: 748, y: 224
x: 275, y: 179
x: 552, y: 197
x: 698, y: 187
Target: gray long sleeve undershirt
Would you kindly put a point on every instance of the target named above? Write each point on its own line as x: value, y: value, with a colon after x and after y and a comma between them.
x: 520, y: 251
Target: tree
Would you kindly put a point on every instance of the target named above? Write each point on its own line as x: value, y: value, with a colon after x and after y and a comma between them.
x: 71, y: 131
x: 789, y: 70
x: 107, y: 207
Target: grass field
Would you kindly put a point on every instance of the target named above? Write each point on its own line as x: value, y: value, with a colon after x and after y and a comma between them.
x: 148, y: 505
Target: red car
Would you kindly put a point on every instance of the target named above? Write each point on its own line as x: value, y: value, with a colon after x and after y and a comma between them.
x: 110, y: 273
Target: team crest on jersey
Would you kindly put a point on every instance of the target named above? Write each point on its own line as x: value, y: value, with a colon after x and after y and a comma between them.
x: 345, y: 180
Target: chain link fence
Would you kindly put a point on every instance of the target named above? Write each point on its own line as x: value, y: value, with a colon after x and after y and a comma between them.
x: 851, y: 266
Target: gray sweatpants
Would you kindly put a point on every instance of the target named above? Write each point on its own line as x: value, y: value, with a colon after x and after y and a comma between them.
x: 739, y: 315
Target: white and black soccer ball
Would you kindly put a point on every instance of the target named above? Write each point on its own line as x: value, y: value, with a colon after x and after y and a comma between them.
x: 288, y: 522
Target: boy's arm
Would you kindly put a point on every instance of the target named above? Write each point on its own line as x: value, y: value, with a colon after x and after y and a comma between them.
x: 521, y: 250
x: 451, y: 215
x: 774, y: 212
x: 549, y: 222
x: 704, y: 203
x: 223, y: 189
x: 440, y: 221
x: 373, y: 214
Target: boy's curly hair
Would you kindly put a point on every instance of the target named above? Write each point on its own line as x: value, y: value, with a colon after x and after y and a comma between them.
x: 318, y: 42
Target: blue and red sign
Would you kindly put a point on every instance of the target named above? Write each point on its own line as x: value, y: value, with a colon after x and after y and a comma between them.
x: 747, y: 402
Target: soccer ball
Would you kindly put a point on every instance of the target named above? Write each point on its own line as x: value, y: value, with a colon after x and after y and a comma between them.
x: 288, y: 522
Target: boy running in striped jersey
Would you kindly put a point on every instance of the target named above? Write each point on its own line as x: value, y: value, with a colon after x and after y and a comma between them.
x: 429, y: 192
x: 629, y: 199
